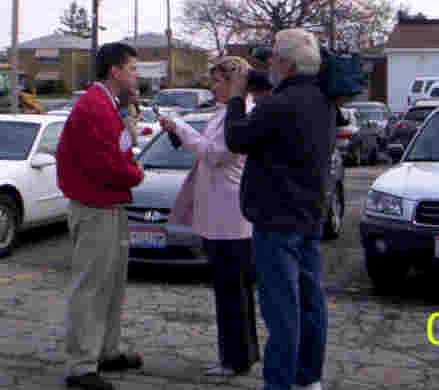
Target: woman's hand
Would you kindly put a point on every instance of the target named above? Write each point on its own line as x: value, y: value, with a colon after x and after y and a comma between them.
x: 167, y: 124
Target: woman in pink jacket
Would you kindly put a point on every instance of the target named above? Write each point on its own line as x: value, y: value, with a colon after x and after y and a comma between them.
x: 209, y: 201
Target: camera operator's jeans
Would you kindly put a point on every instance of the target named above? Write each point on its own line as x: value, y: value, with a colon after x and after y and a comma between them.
x: 293, y: 305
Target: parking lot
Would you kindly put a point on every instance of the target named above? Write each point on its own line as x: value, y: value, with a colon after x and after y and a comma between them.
x: 375, y: 342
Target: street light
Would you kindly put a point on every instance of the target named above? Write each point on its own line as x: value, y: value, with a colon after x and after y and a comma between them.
x: 94, y: 40
x: 14, y: 53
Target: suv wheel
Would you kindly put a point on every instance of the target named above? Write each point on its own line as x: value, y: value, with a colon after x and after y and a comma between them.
x: 335, y: 216
x: 8, y: 224
x: 388, y: 272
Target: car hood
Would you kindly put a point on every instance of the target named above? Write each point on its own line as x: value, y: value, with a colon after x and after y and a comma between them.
x: 159, y: 188
x: 410, y: 180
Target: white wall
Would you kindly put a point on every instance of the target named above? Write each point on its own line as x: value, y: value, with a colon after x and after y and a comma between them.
x: 402, y: 68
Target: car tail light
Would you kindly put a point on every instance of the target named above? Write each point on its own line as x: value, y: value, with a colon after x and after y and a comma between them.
x: 344, y: 135
x: 401, y: 125
x: 147, y: 131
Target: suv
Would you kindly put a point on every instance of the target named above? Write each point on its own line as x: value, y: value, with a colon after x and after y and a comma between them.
x: 400, y: 219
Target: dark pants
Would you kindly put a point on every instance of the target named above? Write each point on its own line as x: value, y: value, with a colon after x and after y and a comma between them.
x: 293, y: 305
x: 233, y: 266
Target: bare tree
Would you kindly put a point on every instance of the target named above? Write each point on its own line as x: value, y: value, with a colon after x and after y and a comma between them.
x: 209, y: 18
x: 76, y: 21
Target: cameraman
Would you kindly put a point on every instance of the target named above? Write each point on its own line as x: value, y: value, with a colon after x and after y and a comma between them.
x: 287, y: 139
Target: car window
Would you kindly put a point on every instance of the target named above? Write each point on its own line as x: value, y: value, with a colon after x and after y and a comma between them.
x: 434, y: 92
x: 185, y: 99
x: 426, y: 144
x: 428, y: 84
x: 417, y: 114
x: 50, y: 139
x: 162, y: 155
x: 417, y: 86
x: 16, y: 139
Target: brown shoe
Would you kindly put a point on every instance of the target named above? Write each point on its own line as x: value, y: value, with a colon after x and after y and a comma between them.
x: 121, y: 363
x: 89, y: 381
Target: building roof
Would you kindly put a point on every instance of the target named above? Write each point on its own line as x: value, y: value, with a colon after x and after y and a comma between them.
x: 415, y: 34
x: 155, y: 40
x: 57, y: 41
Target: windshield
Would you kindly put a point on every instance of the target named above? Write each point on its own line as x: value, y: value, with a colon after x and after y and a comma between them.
x: 426, y: 145
x: 16, y: 139
x: 370, y: 115
x: 183, y: 99
x: 162, y: 155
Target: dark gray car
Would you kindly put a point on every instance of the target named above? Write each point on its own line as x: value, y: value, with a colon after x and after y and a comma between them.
x: 153, y: 240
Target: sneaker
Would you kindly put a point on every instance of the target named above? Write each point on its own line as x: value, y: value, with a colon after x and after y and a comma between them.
x: 89, y: 381
x: 312, y: 386
x: 121, y: 363
x: 219, y: 370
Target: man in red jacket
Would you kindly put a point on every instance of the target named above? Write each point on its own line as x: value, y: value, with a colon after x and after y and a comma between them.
x: 96, y: 171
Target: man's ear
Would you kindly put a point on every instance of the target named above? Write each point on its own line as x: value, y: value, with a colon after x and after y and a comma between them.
x: 114, y: 72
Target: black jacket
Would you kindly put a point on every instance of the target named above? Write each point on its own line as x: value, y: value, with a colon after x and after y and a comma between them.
x: 288, y: 139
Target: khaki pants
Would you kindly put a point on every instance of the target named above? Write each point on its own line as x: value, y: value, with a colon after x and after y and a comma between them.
x: 99, y: 271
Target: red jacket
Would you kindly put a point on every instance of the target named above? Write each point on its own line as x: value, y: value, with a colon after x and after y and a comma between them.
x: 95, y: 164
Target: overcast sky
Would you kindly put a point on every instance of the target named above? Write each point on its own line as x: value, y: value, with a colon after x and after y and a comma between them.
x: 41, y: 17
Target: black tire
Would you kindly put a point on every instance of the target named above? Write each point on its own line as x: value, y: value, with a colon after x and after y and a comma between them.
x: 356, y: 157
x: 334, y: 221
x: 388, y: 273
x: 373, y: 157
x: 8, y: 224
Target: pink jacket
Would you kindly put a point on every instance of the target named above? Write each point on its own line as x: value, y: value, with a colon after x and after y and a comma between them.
x: 209, y: 197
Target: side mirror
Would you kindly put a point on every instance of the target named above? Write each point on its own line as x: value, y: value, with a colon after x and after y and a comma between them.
x: 395, y: 152
x: 41, y: 160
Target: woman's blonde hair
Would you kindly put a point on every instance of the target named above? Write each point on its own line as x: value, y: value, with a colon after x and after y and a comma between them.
x: 227, y: 64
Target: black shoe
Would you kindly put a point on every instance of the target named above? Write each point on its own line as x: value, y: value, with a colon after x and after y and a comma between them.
x: 90, y: 381
x: 120, y: 363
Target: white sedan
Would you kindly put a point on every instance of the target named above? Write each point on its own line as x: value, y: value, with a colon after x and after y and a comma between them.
x: 29, y: 194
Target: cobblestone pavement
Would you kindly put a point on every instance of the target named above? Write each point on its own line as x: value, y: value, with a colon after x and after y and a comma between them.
x: 374, y: 342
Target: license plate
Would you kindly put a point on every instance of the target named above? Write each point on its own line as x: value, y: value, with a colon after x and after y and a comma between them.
x: 148, y: 238
x: 436, y: 247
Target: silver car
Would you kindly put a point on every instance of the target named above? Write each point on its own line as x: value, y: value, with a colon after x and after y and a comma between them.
x: 153, y: 240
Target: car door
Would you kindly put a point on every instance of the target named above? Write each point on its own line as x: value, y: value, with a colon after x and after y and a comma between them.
x: 48, y: 200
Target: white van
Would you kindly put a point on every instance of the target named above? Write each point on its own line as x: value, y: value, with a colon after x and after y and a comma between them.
x: 420, y: 87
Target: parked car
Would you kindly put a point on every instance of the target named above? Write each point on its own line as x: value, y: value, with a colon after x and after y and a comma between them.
x: 400, y: 220
x: 419, y: 88
x: 348, y: 139
x: 185, y: 100
x: 153, y: 240
x: 375, y: 113
x: 403, y: 130
x: 29, y: 195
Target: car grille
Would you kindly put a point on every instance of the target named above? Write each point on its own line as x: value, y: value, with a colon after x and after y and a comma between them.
x: 141, y: 214
x: 427, y: 213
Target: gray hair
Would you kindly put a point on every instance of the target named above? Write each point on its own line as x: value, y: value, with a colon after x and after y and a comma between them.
x: 301, y: 47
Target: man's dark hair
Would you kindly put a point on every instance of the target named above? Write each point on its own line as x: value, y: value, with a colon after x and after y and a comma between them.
x: 112, y: 54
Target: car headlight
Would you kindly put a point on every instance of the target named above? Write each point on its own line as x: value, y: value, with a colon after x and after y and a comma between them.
x: 382, y: 203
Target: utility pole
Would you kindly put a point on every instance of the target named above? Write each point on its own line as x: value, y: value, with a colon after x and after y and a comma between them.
x: 136, y: 22
x: 14, y: 53
x: 94, y: 41
x: 332, y: 35
x: 169, y: 35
